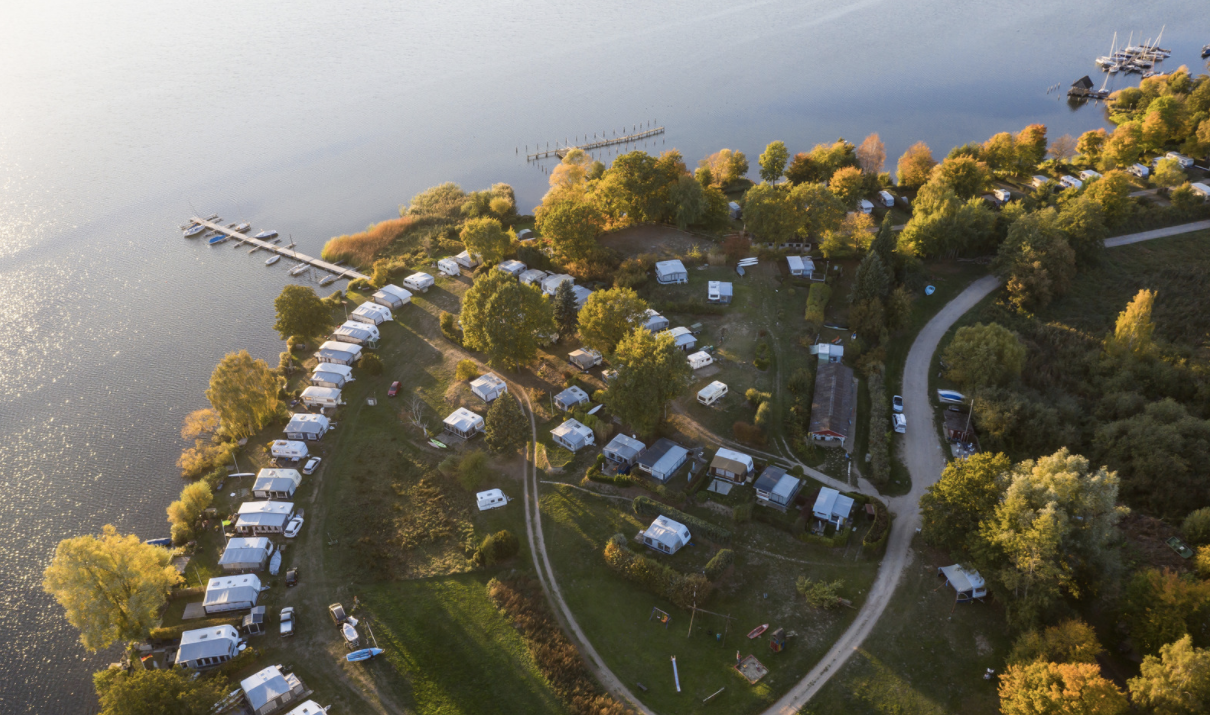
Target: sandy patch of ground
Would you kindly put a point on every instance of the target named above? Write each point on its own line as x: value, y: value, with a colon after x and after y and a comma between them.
x: 664, y: 241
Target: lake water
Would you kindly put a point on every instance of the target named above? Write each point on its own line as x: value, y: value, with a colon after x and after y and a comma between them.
x: 316, y: 119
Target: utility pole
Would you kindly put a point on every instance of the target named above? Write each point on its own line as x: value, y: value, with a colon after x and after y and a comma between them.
x: 692, y: 613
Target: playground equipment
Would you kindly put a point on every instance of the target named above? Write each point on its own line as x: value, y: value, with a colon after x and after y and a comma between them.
x: 661, y: 616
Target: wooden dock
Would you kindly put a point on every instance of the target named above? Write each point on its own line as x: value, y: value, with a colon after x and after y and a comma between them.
x: 285, y: 251
x: 624, y: 139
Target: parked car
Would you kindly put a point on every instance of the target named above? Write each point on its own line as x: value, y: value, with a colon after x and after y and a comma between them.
x: 394, y: 389
x: 899, y: 422
x: 292, y: 577
x: 293, y: 527
x: 287, y: 621
x: 311, y: 465
x: 337, y: 612
x: 897, y: 403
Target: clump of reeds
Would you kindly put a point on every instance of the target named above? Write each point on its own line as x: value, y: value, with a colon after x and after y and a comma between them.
x: 360, y: 249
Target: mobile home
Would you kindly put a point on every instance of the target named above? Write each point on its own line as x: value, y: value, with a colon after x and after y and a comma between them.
x: 671, y: 272
x: 464, y: 423
x: 231, y: 593
x: 513, y: 268
x: 322, y: 397
x: 712, y: 393
x: 371, y: 313
x: 288, y: 449
x: 699, y: 360
x: 419, y: 282
x: 665, y: 535
x: 573, y: 435
x: 392, y: 296
x: 488, y: 387
x: 662, y: 459
x: 449, y: 267
x: 246, y: 553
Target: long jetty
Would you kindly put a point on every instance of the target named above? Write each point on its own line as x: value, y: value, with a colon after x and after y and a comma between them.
x: 338, y: 271
x: 624, y: 139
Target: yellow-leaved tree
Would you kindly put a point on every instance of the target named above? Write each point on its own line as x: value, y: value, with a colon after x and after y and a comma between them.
x: 244, y: 392
x: 112, y: 586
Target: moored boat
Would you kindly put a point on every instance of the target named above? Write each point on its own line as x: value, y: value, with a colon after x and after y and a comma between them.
x: 266, y: 235
x: 218, y: 239
x: 198, y: 228
x: 273, y: 259
x: 243, y: 227
x: 328, y: 280
x: 299, y: 268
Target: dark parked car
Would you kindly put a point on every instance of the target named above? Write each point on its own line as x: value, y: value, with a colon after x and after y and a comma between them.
x: 337, y: 612
x: 292, y: 577
x: 394, y: 389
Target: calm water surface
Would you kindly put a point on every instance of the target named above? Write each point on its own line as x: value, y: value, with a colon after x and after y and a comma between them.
x: 317, y: 118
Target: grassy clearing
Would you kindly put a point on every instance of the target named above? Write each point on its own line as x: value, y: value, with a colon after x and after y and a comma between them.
x: 614, y: 613
x: 925, y: 656
x: 458, y: 653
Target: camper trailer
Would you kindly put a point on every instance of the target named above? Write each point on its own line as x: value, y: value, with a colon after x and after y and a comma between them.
x: 323, y: 397
x: 419, y: 282
x: 712, y: 393
x: 392, y: 296
x: 449, y: 267
x: 699, y: 360
x: 288, y: 449
x: 491, y: 499
x: 513, y: 268
x: 371, y: 313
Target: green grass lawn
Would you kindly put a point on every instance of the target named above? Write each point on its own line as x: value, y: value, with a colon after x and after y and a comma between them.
x: 926, y: 656
x: 614, y: 613
x: 457, y: 652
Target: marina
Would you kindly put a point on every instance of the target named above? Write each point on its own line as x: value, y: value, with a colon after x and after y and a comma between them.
x: 225, y: 233
x: 561, y: 152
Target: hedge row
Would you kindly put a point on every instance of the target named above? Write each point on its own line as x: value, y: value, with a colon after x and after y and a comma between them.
x: 681, y: 589
x: 880, y: 461
x: 650, y: 507
x: 719, y: 563
x: 618, y: 480
x: 840, y: 538
x: 167, y: 633
x: 690, y: 307
x: 817, y: 300
x: 878, y: 533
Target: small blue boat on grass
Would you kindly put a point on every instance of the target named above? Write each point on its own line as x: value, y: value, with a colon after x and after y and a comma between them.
x: 363, y: 654
x: 951, y: 396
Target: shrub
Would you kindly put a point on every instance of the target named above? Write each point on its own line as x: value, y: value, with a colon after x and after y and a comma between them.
x: 755, y: 397
x: 472, y: 470
x: 467, y: 370
x: 764, y: 415
x: 762, y: 356
x: 748, y: 434
x: 800, y: 526
x: 362, y: 248
x: 204, y: 456
x: 877, y: 535
x: 650, y: 507
x: 1202, y: 561
x: 684, y: 590
x: 719, y: 563
x: 1196, y: 527
x: 184, y: 513
x: 817, y: 300
x: 449, y: 328
x: 800, y: 381
x: 371, y: 363
x: 1072, y: 641
x: 880, y: 459
x: 448, y: 466
x: 167, y: 633
x: 497, y: 547
x: 818, y: 593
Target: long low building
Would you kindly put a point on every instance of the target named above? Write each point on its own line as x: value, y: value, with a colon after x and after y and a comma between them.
x: 832, y: 404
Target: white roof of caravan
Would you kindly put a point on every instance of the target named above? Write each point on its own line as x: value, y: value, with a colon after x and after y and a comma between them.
x: 581, y: 294
x: 551, y: 283
x: 625, y: 445
x: 511, y: 266
x: 322, y: 393
x: 207, y: 643
x: 713, y: 388
x: 832, y: 503
x: 309, y: 707
x: 368, y: 308
x: 488, y: 379
x: 961, y: 579
x: 291, y: 474
x: 232, y: 589
x: 532, y: 275
x: 355, y: 327
x: 735, y: 457
x: 337, y: 346
x: 723, y: 287
x: 699, y: 356
x: 672, y: 266
x: 573, y: 391
x: 667, y: 531
x: 1201, y: 188
x: 420, y: 277
x: 573, y: 426
x: 307, y: 422
x: 463, y: 419
x: 395, y: 292
x: 795, y: 262
x: 245, y: 550
x: 288, y: 444
x: 488, y: 496
x: 266, y: 507
x: 345, y: 370
x: 264, y: 686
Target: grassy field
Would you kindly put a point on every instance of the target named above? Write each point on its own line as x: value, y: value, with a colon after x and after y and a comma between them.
x: 926, y: 656
x: 614, y: 613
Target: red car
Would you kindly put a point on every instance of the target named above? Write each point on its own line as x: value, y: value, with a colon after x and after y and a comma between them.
x: 394, y: 389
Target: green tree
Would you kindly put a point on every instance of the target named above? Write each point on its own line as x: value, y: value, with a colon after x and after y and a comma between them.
x: 608, y: 316
x: 915, y: 166
x: 966, y: 176
x: 638, y: 187
x: 1063, y: 148
x: 1124, y: 145
x: 155, y: 692
x: 952, y: 509
x: 1036, y: 260
x: 982, y: 355
x: 466, y: 370
x: 1112, y: 193
x: 872, y: 280
x: 1031, y: 147
x: 689, y: 202
x: 1164, y: 606
x: 726, y: 166
x: 1177, y: 682
x: 1134, y: 327
x: 854, y: 234
x: 1072, y: 641
x: 184, y: 512
x: 1000, y: 153
x: 819, y: 210
x: 1050, y: 532
x: 485, y: 237
x: 1059, y: 689
x: 1083, y: 222
x: 567, y: 316
x: 300, y: 312
x: 569, y: 224
x: 505, y: 319
x: 830, y: 158
x: 442, y: 201
x: 1168, y: 173
x: 245, y: 393
x: 651, y: 373
x: 802, y: 169
x: 1091, y: 143
x: 848, y: 185
x: 572, y: 171
x: 505, y: 427
x: 112, y: 587
x: 773, y: 161
x: 884, y: 243
x: 1196, y: 527
x: 769, y: 214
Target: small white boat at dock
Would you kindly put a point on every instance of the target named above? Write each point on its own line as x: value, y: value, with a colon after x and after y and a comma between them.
x: 266, y: 235
x: 242, y: 227
x: 273, y: 259
x: 328, y: 280
x: 296, y: 270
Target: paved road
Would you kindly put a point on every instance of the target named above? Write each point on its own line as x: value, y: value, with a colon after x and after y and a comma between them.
x: 1157, y: 233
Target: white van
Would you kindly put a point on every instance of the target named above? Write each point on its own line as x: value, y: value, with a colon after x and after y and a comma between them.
x: 712, y: 393
x: 491, y: 499
x: 899, y: 422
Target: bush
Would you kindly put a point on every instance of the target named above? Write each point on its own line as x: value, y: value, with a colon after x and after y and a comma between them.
x: 1196, y: 527
x: 880, y: 459
x: 449, y: 328
x: 755, y: 397
x: 595, y: 474
x: 449, y: 466
x: 184, y: 513
x: 371, y: 363
x: 762, y: 356
x: 684, y: 590
x: 817, y: 301
x: 650, y: 507
x: 877, y: 535
x: 719, y: 563
x: 472, y: 470
x: 360, y: 249
x: 167, y: 633
x: 1202, y: 561
x: 467, y: 370
x: 497, y: 547
x: 800, y: 526
x: 818, y: 593
x: 764, y: 415
x: 1072, y: 641
x: 748, y: 434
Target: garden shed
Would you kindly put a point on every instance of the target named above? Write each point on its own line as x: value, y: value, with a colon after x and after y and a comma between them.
x: 718, y: 292
x: 832, y: 404
x: 732, y: 466
x: 263, y: 517
x: 685, y: 339
x: 623, y: 451
x: 671, y: 272
x: 322, y: 397
x: 246, y: 553
x: 464, y: 423
x: 288, y: 449
x: 832, y: 507
x: 776, y: 489
x: 276, y: 483
x: 488, y: 386
x: 654, y: 322
x: 665, y: 535
x: 419, y: 281
x: 306, y: 426
x: 270, y: 690
x: 573, y: 435
x: 662, y: 459
x: 570, y: 397
x: 231, y: 593
x: 392, y: 296
x: 969, y: 585
x: 512, y: 267
x: 584, y: 358
x: 204, y: 647
x: 372, y: 313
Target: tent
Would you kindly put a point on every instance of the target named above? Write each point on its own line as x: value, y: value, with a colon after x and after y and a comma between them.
x: 665, y: 535
x: 777, y: 489
x: 800, y: 265
x: 356, y: 332
x: 392, y: 296
x: 671, y: 272
x: 269, y: 689
x: 464, y: 423
x: 684, y: 338
x: 338, y: 352
x: 263, y: 517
